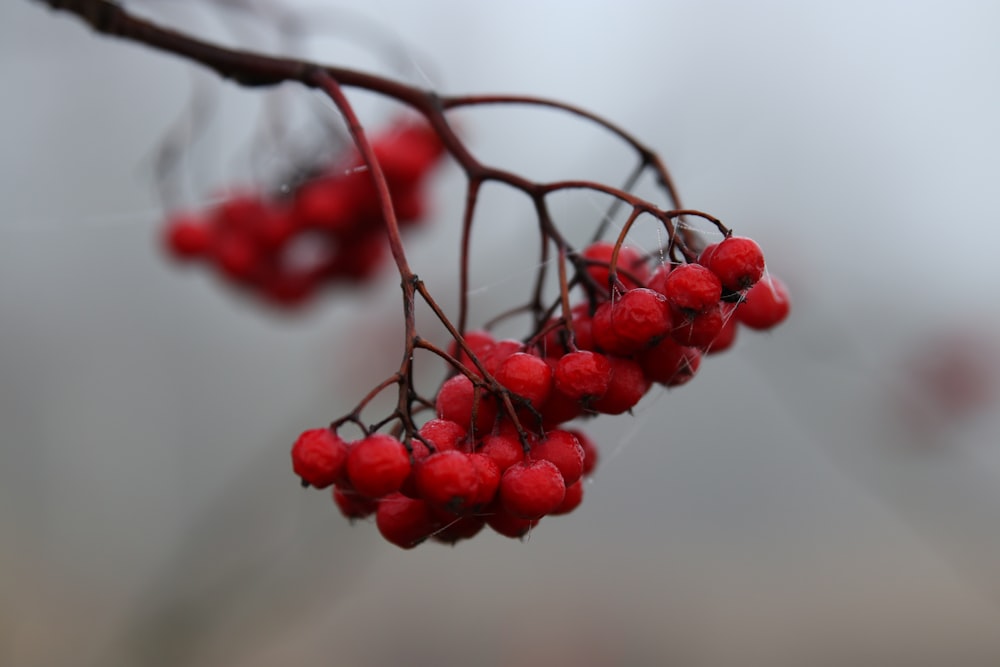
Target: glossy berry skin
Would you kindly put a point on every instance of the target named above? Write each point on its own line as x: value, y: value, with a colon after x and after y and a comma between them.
x: 532, y: 489
x: 670, y: 363
x: 583, y: 375
x: 319, y: 456
x: 699, y: 330
x: 527, y: 376
x: 406, y: 522
x: 378, y: 465
x: 488, y: 475
x: 443, y: 434
x: 456, y: 401
x: 509, y: 525
x: 737, y: 261
x: 640, y: 318
x: 574, y: 496
x: 353, y: 505
x: 727, y: 336
x: 505, y: 450
x: 692, y: 288
x: 630, y: 263
x: 448, y: 479
x: 564, y: 450
x: 628, y: 386
x: 766, y: 305
x: 591, y: 456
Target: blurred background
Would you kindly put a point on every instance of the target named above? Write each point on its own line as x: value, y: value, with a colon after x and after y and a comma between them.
x: 826, y: 494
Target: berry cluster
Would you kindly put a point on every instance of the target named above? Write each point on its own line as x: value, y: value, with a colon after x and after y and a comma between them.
x: 447, y: 485
x: 497, y: 453
x: 330, y: 229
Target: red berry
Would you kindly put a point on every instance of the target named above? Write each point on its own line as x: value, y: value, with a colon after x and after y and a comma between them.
x: 606, y: 337
x: 378, y: 465
x: 488, y: 473
x: 499, y: 353
x: 736, y: 260
x: 457, y: 402
x: 187, y: 237
x: 443, y: 434
x: 699, y: 330
x: 574, y: 496
x: 455, y: 527
x: 560, y: 408
x: 406, y: 522
x: 590, y: 453
x: 583, y: 375
x: 532, y: 489
x: 353, y: 505
x: 639, y: 318
x: 564, y: 450
x: 448, y: 479
x: 319, y: 456
x: 237, y: 256
x: 766, y: 304
x: 630, y: 263
x: 480, y: 342
x: 509, y: 525
x: 505, y: 450
x: 527, y: 376
x: 670, y: 363
x: 628, y: 385
x: 692, y: 288
x: 727, y: 336
x: 325, y: 204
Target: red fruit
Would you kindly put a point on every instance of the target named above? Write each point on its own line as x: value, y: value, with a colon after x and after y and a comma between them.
x: 583, y: 375
x: 606, y: 337
x: 499, y: 353
x: 457, y: 402
x: 508, y: 525
x: 670, y: 363
x: 319, y: 456
x: 454, y: 527
x: 443, y: 434
x: 488, y: 473
x: 574, y: 496
x: 628, y: 385
x: 638, y: 319
x: 699, y: 330
x: 187, y: 237
x: 590, y: 453
x: 480, y: 342
x: 325, y: 204
x: 766, y: 304
x: 532, y: 489
x: 448, y: 479
x: 631, y: 263
x: 527, y: 376
x: 692, y: 288
x: 406, y: 522
x: 727, y: 336
x: 560, y: 408
x: 237, y: 256
x: 564, y: 451
x: 658, y: 281
x: 736, y: 260
x: 353, y: 505
x: 505, y: 450
x: 378, y: 465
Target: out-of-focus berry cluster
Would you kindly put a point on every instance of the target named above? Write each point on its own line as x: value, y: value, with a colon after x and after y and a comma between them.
x: 284, y: 248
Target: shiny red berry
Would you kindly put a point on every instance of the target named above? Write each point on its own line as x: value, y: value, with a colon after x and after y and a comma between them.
x: 319, y: 456
x: 532, y: 489
x: 766, y: 304
x: 378, y: 465
x: 737, y: 260
x: 583, y: 375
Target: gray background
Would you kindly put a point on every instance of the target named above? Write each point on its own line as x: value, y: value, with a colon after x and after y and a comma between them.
x: 801, y: 502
